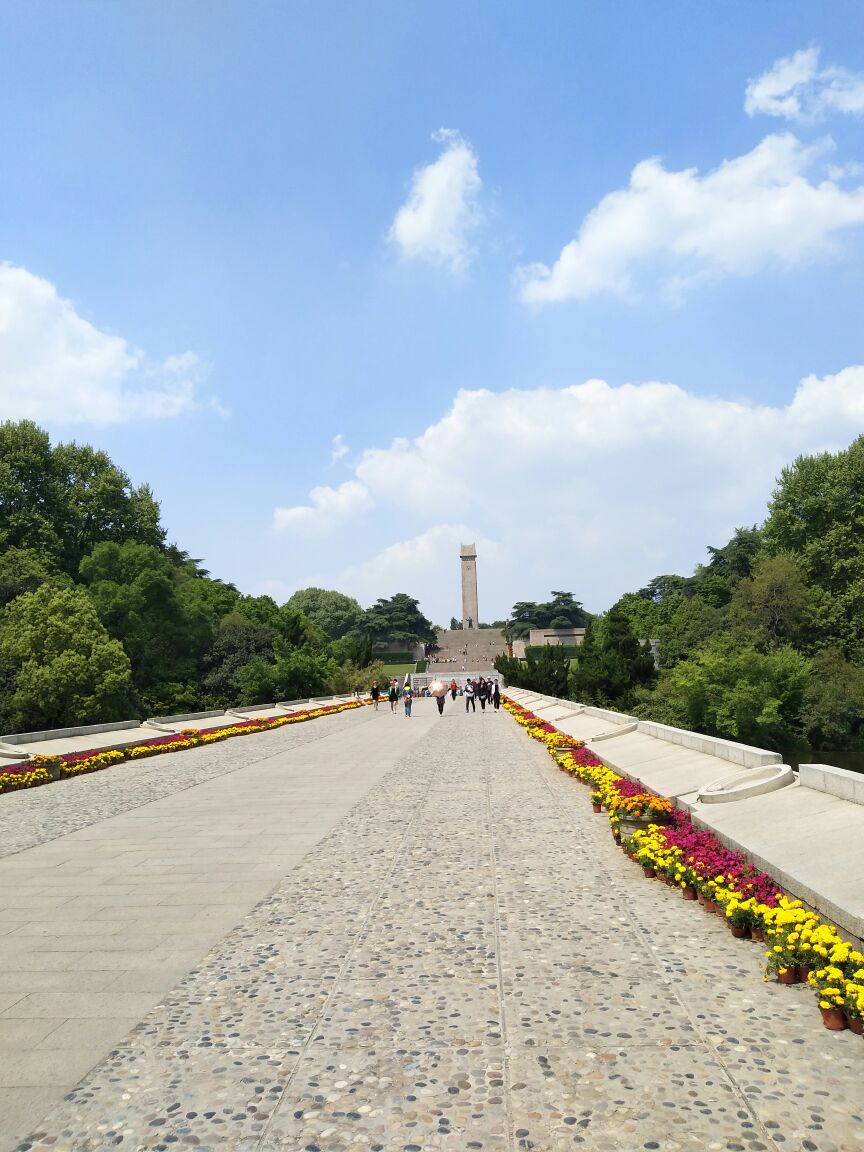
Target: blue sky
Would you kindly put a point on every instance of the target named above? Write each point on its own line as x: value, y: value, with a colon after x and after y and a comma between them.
x: 206, y: 274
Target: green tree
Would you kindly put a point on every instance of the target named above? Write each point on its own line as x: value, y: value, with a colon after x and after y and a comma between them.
x: 99, y: 504
x: 298, y: 674
x: 333, y: 612
x: 609, y: 671
x: 512, y: 671
x: 24, y: 570
x: 743, y: 693
x: 643, y: 615
x: 30, y: 491
x: 58, y: 665
x: 135, y: 592
x: 833, y: 707
x: 686, y: 622
x: 255, y: 682
x: 562, y: 611
x: 398, y: 620
x: 237, y: 643
x: 734, y: 561
x: 816, y: 516
x: 772, y: 605
x: 354, y: 649
x: 547, y: 669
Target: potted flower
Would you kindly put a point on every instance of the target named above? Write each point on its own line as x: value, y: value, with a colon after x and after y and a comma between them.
x: 739, y: 914
x: 854, y: 1004
x: 642, y: 810
x: 830, y: 986
x: 782, y: 960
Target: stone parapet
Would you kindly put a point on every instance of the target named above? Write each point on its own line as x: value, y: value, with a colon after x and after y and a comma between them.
x: 834, y: 781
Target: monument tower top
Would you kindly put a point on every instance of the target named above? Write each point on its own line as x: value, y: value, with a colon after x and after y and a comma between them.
x: 468, y: 556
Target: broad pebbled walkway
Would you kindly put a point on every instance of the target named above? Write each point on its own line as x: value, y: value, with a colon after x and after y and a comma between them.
x: 462, y: 961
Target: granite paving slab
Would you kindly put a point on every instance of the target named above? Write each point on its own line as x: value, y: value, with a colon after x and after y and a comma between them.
x: 466, y: 961
x: 138, y: 896
x: 38, y: 815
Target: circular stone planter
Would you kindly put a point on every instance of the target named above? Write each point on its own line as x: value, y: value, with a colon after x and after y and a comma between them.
x: 749, y: 782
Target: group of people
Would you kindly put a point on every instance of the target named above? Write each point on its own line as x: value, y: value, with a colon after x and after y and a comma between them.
x: 486, y: 691
x: 393, y: 693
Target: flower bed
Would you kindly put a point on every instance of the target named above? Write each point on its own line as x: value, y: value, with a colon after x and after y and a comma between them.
x: 801, y: 946
x: 44, y: 769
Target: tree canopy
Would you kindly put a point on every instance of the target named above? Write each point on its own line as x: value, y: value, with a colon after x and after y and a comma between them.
x: 764, y: 643
x: 101, y: 618
x: 398, y: 619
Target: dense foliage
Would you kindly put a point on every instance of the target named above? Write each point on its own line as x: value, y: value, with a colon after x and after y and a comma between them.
x: 764, y: 643
x: 562, y: 611
x: 101, y: 619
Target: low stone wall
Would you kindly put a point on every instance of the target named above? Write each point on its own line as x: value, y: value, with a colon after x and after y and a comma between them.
x: 62, y: 733
x: 833, y: 781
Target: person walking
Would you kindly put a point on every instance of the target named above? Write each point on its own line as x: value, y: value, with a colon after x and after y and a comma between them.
x: 439, y: 700
x: 481, y: 693
x: 496, y: 695
x: 393, y: 695
x: 469, y: 696
x: 407, y: 697
x: 453, y: 689
x: 375, y: 694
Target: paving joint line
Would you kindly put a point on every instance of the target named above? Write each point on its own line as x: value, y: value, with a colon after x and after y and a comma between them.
x: 349, y: 955
x: 507, y: 1070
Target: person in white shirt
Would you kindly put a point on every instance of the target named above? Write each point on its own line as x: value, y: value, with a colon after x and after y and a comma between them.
x: 469, y: 696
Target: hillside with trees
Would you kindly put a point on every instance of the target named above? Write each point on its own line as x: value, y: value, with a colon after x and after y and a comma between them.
x: 102, y: 619
x: 764, y: 643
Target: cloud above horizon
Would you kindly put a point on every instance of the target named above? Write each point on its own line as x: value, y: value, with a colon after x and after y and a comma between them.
x: 435, y: 223
x: 591, y: 487
x: 56, y: 366
x: 796, y: 88
x: 754, y: 213
x: 327, y: 507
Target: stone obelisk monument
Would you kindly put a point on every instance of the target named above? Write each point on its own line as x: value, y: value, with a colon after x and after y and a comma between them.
x: 468, y: 555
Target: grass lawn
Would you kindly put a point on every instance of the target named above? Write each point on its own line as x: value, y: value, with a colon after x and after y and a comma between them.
x: 397, y: 669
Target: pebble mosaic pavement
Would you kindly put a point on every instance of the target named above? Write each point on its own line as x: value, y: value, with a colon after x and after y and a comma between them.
x: 467, y: 962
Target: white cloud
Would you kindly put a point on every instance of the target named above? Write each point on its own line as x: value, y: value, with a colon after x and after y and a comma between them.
x: 796, y: 88
x: 427, y: 557
x: 328, y: 507
x: 442, y: 207
x: 755, y: 212
x: 56, y: 366
x: 591, y: 488
x: 338, y: 449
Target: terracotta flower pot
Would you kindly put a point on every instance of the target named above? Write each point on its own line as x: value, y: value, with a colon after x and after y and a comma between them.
x: 648, y: 872
x: 787, y: 976
x: 834, y: 1019
x: 739, y: 933
x: 757, y: 934
x: 688, y: 893
x: 856, y: 1025
x: 596, y: 808
x: 803, y: 972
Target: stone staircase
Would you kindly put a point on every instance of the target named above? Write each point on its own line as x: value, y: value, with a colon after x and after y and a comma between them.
x: 467, y: 650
